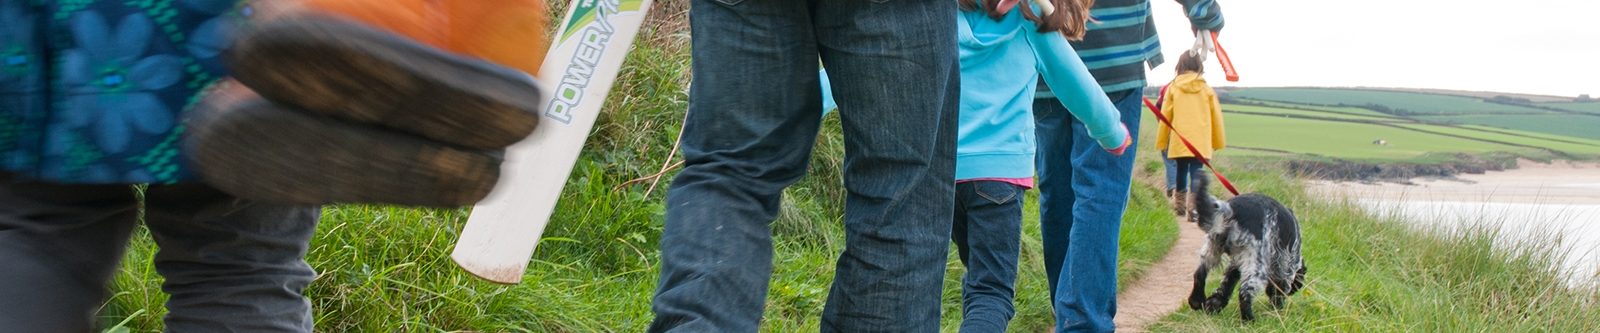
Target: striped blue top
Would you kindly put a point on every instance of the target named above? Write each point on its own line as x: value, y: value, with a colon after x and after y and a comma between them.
x: 1122, y: 42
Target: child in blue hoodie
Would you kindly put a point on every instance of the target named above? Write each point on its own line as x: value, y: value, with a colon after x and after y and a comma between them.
x: 1005, y: 46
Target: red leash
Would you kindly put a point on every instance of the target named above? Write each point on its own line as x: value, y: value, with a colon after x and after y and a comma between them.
x: 1207, y: 162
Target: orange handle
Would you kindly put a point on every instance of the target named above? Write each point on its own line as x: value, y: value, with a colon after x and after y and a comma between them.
x: 1222, y: 57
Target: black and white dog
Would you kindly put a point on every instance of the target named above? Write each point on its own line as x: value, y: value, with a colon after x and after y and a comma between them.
x: 1262, y: 240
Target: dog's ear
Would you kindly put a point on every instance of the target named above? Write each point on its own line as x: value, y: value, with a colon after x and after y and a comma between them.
x: 1221, y: 207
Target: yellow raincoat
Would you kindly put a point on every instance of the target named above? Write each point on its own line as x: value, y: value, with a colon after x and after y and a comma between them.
x: 1195, y: 112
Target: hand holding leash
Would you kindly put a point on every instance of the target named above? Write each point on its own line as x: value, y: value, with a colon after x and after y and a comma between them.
x: 1205, y: 42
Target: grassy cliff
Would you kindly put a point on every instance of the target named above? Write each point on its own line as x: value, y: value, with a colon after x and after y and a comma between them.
x: 386, y: 269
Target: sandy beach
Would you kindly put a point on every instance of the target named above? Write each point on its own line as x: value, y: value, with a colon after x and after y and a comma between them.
x: 1561, y: 183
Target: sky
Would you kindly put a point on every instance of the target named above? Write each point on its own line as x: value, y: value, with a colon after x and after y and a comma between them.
x: 1543, y: 47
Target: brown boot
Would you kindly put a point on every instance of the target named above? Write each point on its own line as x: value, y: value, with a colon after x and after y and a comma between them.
x: 1176, y: 198
x: 456, y: 71
x: 254, y: 149
x: 1188, y: 206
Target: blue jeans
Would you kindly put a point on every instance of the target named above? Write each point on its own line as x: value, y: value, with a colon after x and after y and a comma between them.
x: 749, y: 132
x: 988, y: 236
x: 1185, y: 167
x: 230, y: 265
x: 1172, y: 176
x: 1083, y: 192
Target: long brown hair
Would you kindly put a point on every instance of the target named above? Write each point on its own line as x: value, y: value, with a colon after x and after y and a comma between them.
x: 1190, y: 62
x: 1071, y: 17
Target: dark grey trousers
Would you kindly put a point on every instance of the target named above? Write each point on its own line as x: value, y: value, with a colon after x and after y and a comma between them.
x: 230, y: 265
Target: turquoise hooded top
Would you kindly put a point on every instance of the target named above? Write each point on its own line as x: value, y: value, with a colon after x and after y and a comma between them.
x: 1000, y: 63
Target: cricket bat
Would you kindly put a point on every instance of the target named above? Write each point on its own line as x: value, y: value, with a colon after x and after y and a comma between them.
x: 585, y: 55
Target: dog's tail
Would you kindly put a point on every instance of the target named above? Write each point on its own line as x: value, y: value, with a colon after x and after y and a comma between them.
x: 1205, y: 205
x: 1200, y: 180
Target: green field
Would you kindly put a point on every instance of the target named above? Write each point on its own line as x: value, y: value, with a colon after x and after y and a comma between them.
x: 1590, y: 107
x: 1580, y: 148
x: 1560, y: 124
x: 1329, y: 109
x: 1290, y: 122
x: 1311, y: 113
x: 1346, y: 140
x: 1416, y: 103
x: 1541, y: 135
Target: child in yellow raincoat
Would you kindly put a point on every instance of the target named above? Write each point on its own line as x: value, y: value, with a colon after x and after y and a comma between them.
x: 1195, y: 113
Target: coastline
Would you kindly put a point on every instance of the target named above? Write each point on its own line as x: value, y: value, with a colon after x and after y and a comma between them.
x: 1559, y: 183
x: 1538, y: 202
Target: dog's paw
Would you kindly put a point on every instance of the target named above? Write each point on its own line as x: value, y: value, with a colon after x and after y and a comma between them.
x: 1195, y: 302
x: 1248, y: 316
x: 1214, y: 304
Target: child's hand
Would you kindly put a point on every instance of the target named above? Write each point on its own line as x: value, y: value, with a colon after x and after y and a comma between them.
x: 1127, y: 141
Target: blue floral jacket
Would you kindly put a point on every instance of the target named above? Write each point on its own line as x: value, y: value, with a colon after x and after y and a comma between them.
x: 95, y: 91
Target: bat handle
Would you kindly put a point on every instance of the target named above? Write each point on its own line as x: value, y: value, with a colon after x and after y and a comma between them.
x: 1222, y: 57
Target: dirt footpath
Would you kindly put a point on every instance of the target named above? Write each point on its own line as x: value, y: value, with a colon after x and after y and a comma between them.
x: 1165, y: 286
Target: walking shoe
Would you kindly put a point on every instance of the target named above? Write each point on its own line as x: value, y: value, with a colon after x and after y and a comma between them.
x: 254, y: 149
x: 452, y: 71
x: 1176, y: 199
x: 1188, y: 206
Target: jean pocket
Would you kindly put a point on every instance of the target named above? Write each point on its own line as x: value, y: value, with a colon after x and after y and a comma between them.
x: 729, y: 2
x: 999, y: 193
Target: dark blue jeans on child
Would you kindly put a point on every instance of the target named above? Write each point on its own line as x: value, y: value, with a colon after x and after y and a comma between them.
x: 1184, y: 168
x: 988, y: 236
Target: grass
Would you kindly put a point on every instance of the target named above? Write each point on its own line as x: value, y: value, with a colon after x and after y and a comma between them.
x: 1558, y: 124
x: 1325, y: 109
x: 1346, y: 140
x: 1580, y: 148
x: 1318, y: 132
x: 1341, y: 109
x: 1305, y: 112
x: 1540, y: 135
x: 1401, y: 102
x: 1590, y: 107
x: 1369, y: 274
x: 386, y: 269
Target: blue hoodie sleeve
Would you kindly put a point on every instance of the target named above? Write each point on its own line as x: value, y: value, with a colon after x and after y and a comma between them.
x: 1072, y: 84
x: 828, y: 105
